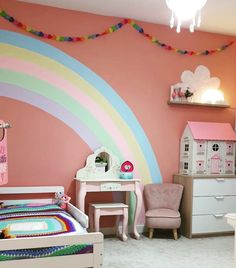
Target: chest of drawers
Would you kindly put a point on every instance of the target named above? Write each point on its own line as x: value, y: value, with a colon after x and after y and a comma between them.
x: 206, y: 199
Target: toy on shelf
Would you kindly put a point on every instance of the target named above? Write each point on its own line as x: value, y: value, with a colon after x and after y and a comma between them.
x: 126, y: 170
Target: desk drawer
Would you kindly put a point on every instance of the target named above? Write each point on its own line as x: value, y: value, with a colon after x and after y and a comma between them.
x: 217, y: 186
x: 210, y: 224
x: 214, y: 204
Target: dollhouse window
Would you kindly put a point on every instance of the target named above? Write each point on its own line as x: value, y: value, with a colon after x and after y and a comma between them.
x: 229, y: 148
x: 185, y: 165
x: 229, y: 167
x: 200, y: 166
x: 200, y: 147
x: 186, y: 147
x: 215, y: 147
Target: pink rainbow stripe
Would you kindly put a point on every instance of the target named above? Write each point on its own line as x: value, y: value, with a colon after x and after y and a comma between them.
x: 57, y: 81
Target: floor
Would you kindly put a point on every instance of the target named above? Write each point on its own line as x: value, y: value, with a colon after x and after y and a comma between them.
x: 165, y: 252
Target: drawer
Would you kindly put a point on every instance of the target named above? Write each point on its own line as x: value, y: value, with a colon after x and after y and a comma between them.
x: 214, y: 204
x: 217, y: 186
x: 210, y: 224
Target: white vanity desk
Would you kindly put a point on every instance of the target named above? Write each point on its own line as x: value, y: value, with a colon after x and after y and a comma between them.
x: 83, y: 186
x: 93, y: 179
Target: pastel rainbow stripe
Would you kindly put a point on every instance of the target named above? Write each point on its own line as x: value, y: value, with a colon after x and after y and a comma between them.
x: 36, y: 73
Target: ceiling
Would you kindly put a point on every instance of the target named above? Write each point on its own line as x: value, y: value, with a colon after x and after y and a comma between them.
x: 218, y: 16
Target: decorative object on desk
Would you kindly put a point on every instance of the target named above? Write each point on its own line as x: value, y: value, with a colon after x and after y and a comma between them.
x: 126, y: 170
x: 93, y: 171
x: 207, y: 148
x: 3, y: 153
x: 101, y: 163
x: 197, y: 87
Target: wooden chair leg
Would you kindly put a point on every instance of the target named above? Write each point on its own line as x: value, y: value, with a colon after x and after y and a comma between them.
x: 151, y: 230
x: 175, y: 234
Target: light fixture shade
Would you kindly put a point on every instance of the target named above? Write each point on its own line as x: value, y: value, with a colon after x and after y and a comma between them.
x: 185, y: 10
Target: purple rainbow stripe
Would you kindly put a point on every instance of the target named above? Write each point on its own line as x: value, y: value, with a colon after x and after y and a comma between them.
x: 45, y: 104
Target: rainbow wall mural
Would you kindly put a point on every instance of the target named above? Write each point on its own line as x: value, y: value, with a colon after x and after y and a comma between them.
x: 36, y: 73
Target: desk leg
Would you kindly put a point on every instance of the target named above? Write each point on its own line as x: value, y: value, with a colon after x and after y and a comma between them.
x: 138, y: 207
x: 81, y: 193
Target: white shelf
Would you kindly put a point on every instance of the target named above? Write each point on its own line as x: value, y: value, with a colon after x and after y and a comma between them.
x: 198, y: 104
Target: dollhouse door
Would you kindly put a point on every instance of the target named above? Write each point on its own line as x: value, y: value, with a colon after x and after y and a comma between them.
x: 214, y: 156
x: 215, y: 164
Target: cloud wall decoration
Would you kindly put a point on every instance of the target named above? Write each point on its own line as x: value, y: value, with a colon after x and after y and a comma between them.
x: 193, y: 85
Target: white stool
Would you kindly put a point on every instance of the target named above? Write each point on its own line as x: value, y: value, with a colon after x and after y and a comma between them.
x: 108, y: 209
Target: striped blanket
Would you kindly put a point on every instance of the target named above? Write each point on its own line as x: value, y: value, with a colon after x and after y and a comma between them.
x: 7, y: 255
x: 40, y: 220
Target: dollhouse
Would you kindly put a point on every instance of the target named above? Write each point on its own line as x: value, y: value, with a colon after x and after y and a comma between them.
x: 207, y: 148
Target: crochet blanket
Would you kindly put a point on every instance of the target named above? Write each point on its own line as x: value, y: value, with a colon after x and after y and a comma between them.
x: 7, y: 255
x: 32, y: 220
x: 37, y: 220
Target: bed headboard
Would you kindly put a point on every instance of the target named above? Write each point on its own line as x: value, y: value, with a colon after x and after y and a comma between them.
x: 30, y: 190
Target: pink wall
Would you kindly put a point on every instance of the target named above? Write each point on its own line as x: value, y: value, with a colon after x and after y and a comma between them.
x: 138, y: 70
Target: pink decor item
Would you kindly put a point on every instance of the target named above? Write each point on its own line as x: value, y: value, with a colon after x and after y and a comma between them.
x: 64, y: 200
x: 3, y: 155
x: 126, y: 170
x: 212, y: 131
x: 127, y: 166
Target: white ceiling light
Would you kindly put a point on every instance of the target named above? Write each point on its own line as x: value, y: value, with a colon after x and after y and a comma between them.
x: 185, y: 10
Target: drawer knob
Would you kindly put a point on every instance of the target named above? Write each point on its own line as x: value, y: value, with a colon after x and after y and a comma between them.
x: 218, y: 216
x: 219, y: 197
x: 220, y: 179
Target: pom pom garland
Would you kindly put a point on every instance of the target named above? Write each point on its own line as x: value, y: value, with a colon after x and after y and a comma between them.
x: 110, y: 30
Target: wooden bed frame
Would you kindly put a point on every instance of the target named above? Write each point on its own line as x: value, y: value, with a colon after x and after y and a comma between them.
x: 72, y: 261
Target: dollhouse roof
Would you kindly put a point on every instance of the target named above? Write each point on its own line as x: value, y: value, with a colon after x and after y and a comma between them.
x: 212, y: 131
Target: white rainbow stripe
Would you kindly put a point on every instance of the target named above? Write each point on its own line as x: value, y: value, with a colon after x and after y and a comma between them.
x: 41, y: 75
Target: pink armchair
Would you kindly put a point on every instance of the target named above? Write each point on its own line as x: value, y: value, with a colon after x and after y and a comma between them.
x: 162, y: 207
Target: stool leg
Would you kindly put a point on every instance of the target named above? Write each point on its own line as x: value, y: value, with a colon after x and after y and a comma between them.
x: 125, y: 225
x: 91, y: 219
x: 96, y: 219
x: 118, y: 225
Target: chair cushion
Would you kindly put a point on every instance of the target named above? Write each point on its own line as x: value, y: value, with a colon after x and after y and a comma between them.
x: 162, y: 213
x: 163, y: 223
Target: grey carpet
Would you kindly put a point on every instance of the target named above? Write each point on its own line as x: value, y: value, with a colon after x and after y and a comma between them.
x: 211, y: 252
